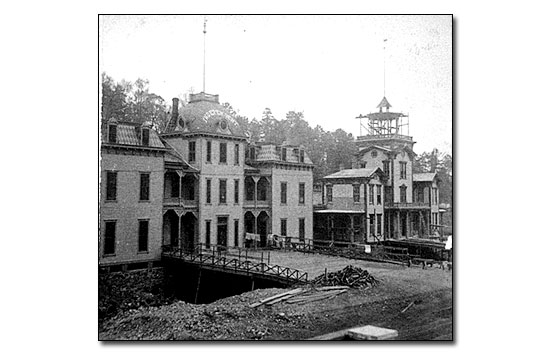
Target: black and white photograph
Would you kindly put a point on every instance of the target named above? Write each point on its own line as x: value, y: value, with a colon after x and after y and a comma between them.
x: 275, y: 177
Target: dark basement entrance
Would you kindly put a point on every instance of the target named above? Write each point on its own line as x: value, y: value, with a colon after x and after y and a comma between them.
x: 193, y: 284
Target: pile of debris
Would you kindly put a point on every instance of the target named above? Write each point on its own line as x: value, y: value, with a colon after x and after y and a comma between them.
x: 349, y: 276
x: 302, y: 296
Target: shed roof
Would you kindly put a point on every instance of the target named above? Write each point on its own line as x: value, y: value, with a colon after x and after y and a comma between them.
x: 424, y: 177
x: 353, y: 173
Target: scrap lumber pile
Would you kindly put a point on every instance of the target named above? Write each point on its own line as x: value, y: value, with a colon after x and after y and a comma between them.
x: 302, y: 296
x: 349, y: 276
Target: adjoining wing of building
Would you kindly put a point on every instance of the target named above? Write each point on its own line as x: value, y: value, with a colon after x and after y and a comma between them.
x: 198, y: 183
x: 379, y: 197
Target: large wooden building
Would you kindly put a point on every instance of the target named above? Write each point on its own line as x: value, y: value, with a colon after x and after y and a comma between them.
x: 379, y: 197
x: 200, y: 182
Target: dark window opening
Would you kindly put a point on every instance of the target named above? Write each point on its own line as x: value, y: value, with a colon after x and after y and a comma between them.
x: 283, y: 154
x: 283, y: 227
x: 222, y: 191
x: 236, y: 154
x: 371, y: 194
x: 145, y: 136
x: 209, y: 151
x: 191, y: 154
x: 207, y: 233
x: 403, y: 194
x: 250, y: 189
x: 111, y: 182
x: 356, y: 193
x: 223, y: 151
x: 252, y: 153
x: 236, y: 232
x: 283, y: 192
x: 112, y: 133
x: 386, y: 167
x: 208, y: 192
x: 144, y: 187
x: 302, y: 229
x: 403, y: 170
x: 143, y: 236
x: 379, y: 230
x: 302, y: 193
x: 329, y: 191
x: 109, y: 237
x: 378, y: 194
x: 236, y: 191
x: 302, y: 155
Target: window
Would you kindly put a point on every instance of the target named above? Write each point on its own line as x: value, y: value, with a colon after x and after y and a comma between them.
x: 236, y: 229
x: 222, y: 191
x: 283, y: 227
x: 223, y: 151
x: 378, y: 194
x: 363, y: 165
x: 209, y: 147
x: 402, y: 170
x: 207, y: 233
x: 371, y: 194
x: 145, y: 136
x: 283, y: 192
x: 143, y: 236
x: 372, y: 224
x: 296, y: 153
x: 386, y: 167
x: 111, y: 182
x: 144, y: 187
x: 379, y: 216
x: 356, y: 193
x: 374, y: 154
x: 403, y: 194
x: 302, y: 228
x: 236, y: 191
x: 302, y: 193
x: 329, y: 191
x: 109, y: 237
x: 283, y: 154
x: 208, y: 191
x: 191, y: 154
x: 112, y: 133
x: 249, y: 185
x: 236, y: 154
x: 252, y: 153
x: 302, y: 155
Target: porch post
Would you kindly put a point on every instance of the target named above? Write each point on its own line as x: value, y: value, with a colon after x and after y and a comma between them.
x: 351, y: 228
x: 408, y: 225
x: 398, y: 232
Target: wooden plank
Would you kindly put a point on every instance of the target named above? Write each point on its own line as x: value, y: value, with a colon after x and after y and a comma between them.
x: 263, y: 301
x: 327, y: 288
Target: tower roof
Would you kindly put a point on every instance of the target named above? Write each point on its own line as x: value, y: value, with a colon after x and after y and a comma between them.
x: 384, y: 103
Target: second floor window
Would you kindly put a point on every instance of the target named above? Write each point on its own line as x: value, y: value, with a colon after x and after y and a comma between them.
x: 236, y: 154
x: 329, y: 191
x: 222, y: 191
x: 356, y: 193
x: 403, y: 194
x: 283, y: 192
x: 378, y: 194
x: 386, y: 167
x: 111, y: 182
x: 302, y: 228
x: 371, y: 194
x: 222, y: 155
x: 144, y: 187
x: 283, y: 227
x: 208, y: 191
x: 236, y: 191
x: 191, y: 154
x: 403, y: 170
x: 302, y: 159
x: 302, y: 193
x: 209, y: 151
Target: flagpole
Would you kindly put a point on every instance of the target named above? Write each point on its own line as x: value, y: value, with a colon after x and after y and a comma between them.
x: 204, y: 35
x: 384, y: 66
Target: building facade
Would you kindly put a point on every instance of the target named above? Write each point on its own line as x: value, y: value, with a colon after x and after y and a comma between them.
x: 380, y: 197
x: 207, y: 186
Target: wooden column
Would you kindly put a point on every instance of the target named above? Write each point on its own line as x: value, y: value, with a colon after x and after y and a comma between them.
x: 398, y: 232
x: 351, y: 228
x: 408, y: 225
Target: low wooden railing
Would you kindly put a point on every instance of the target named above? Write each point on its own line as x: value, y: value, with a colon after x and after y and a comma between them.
x: 414, y: 205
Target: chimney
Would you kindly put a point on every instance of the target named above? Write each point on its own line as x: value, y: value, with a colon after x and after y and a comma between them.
x: 341, y: 166
x: 174, y: 107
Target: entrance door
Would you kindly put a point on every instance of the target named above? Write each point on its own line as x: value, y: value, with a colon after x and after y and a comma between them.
x: 222, y: 231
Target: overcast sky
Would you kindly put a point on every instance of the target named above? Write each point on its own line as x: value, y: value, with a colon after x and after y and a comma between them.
x: 329, y: 67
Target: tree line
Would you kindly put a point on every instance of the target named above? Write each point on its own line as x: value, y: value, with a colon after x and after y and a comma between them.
x: 133, y: 102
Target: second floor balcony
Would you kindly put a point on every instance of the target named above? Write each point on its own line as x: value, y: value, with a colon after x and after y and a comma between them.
x: 404, y: 205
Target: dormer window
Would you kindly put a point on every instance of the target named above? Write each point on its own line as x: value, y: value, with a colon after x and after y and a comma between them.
x: 112, y: 133
x: 181, y: 123
x: 145, y: 136
x: 302, y: 155
x: 283, y: 154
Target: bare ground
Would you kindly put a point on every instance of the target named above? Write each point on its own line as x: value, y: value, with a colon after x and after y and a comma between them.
x: 430, y: 318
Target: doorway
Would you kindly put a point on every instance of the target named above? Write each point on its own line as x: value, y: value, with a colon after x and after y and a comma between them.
x: 222, y: 231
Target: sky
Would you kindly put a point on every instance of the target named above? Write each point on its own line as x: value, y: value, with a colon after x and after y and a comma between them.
x: 331, y: 68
